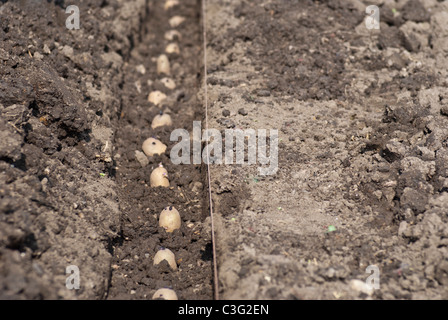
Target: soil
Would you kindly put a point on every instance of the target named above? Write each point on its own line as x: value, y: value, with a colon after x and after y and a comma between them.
x: 362, y: 179
x: 141, y: 204
x: 74, y: 112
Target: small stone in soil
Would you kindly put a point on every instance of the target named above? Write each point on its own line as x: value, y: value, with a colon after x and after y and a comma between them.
x: 242, y: 112
x: 213, y: 81
x: 444, y: 110
x: 226, y: 122
x: 346, y: 162
x: 224, y: 98
x: 263, y: 93
x: 225, y: 113
x: 272, y: 84
x: 228, y: 83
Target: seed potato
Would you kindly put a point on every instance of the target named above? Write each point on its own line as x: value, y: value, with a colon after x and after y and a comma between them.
x: 170, y: 219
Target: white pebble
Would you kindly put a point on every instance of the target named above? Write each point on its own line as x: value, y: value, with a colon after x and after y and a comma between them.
x: 140, y: 69
x: 138, y: 86
x: 46, y: 49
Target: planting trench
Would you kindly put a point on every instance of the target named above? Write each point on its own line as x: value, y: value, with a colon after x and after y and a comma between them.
x: 134, y: 275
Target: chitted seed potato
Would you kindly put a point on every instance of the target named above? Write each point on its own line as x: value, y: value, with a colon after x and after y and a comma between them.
x: 165, y: 294
x: 170, y: 219
x: 172, y: 48
x: 169, y: 83
x: 168, y: 255
x: 163, y: 65
x: 159, y: 177
x: 171, y: 35
x: 152, y: 146
x: 176, y: 21
x: 160, y: 120
x: 171, y: 3
x: 156, y: 97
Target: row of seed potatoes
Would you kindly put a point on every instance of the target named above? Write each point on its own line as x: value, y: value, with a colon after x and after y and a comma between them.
x: 169, y: 218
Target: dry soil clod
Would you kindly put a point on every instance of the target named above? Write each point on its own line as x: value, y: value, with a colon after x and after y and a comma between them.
x: 140, y: 69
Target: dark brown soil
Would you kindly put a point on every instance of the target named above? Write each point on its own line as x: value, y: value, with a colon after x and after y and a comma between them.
x: 141, y: 237
x: 72, y: 191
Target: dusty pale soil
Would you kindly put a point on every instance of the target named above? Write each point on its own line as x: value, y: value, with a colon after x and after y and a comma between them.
x: 362, y: 147
x: 362, y: 118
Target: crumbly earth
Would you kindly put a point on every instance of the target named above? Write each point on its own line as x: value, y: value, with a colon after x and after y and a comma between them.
x: 141, y: 236
x: 362, y: 178
x: 74, y: 183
